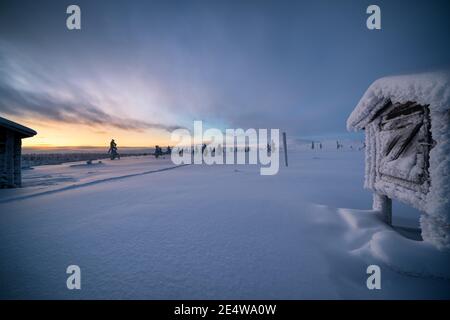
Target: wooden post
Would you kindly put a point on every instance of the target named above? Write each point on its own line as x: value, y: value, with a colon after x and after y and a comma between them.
x: 383, y: 204
x: 285, y: 149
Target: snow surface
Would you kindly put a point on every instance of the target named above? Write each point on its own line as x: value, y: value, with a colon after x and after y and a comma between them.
x: 427, y: 89
x: 143, y: 228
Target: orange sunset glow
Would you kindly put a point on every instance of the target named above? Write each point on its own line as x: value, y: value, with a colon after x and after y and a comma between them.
x: 53, y: 134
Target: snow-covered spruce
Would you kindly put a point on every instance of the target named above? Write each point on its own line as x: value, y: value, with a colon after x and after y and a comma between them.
x: 398, y: 113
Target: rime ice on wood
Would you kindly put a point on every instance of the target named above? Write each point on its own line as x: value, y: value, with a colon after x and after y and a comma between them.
x: 407, y: 124
x: 11, y: 135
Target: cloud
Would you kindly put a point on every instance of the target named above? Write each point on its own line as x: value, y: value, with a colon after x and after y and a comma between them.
x: 43, y: 106
x: 27, y: 91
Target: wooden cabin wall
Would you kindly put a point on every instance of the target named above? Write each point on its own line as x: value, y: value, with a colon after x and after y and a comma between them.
x: 17, y: 161
x: 9, y: 158
x: 8, y: 164
x: 3, y: 176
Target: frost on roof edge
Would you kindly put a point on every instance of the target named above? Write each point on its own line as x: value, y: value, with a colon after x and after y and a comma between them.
x: 431, y: 89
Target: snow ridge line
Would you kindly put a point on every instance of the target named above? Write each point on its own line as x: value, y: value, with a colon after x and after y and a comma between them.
x: 80, y: 185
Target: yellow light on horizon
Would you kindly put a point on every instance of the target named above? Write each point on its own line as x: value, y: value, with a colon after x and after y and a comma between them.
x: 54, y: 134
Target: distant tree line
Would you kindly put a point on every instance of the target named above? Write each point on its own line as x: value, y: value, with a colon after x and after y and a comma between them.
x: 39, y: 159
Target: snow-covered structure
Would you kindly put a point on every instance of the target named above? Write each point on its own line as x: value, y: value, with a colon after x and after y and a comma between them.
x: 407, y: 124
x: 11, y: 135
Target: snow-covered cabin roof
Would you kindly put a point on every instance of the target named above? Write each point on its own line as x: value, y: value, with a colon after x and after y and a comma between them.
x: 431, y: 89
x: 22, y: 130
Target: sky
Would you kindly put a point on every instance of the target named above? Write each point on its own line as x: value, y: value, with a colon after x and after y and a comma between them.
x: 139, y: 69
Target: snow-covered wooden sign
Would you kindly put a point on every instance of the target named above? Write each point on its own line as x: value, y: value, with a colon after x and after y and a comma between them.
x: 407, y: 125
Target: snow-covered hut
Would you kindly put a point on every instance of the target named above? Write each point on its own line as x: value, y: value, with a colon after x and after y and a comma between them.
x: 11, y: 135
x: 407, y: 124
